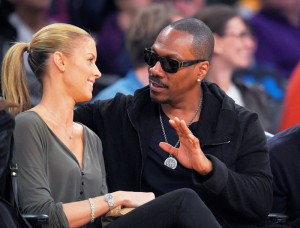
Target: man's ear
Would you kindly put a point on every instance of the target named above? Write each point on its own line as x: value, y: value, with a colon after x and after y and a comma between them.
x: 59, y: 61
x: 202, y: 70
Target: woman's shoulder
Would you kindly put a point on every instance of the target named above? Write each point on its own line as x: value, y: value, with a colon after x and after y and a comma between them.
x: 28, y: 115
x: 91, y: 137
x: 29, y: 118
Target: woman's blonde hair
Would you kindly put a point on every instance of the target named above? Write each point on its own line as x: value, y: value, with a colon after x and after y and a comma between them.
x: 54, y: 37
x: 5, y: 105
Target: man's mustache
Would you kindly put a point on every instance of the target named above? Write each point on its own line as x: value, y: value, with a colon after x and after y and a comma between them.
x: 157, y: 80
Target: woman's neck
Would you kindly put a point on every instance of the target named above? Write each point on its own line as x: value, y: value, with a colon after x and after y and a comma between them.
x: 220, y: 74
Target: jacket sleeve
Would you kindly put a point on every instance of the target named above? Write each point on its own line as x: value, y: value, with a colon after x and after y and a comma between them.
x: 242, y: 186
x: 93, y: 115
x: 100, y: 114
x: 84, y: 114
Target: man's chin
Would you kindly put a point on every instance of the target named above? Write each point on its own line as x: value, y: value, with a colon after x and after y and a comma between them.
x: 157, y: 99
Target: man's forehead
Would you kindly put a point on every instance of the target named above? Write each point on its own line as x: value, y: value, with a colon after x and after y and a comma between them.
x: 170, y: 33
x: 177, y: 47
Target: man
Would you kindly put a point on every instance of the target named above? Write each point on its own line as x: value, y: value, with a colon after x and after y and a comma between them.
x: 230, y: 171
x: 284, y: 150
x: 141, y: 33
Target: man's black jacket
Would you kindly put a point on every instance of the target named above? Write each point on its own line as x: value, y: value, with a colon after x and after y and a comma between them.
x: 238, y: 192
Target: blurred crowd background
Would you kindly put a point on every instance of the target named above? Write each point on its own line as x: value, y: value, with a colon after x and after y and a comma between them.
x: 256, y: 59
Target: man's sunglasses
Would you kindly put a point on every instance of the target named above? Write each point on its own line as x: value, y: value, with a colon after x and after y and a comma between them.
x: 167, y: 64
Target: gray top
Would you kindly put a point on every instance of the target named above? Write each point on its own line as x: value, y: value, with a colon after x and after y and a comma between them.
x: 49, y: 174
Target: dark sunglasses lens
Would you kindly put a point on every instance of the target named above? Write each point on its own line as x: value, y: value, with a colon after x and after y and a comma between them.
x: 150, y: 58
x: 169, y: 65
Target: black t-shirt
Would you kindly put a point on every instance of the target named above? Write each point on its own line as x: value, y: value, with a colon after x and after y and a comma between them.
x: 157, y: 177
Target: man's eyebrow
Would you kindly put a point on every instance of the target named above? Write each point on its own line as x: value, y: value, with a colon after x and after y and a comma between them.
x: 170, y: 55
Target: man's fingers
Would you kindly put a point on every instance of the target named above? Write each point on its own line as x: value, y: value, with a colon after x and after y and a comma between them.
x: 168, y: 148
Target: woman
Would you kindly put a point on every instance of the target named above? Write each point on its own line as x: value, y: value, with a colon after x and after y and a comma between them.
x: 61, y: 167
x: 234, y: 50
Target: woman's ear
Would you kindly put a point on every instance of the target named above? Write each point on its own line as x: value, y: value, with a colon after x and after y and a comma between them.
x: 59, y: 61
x: 218, y: 49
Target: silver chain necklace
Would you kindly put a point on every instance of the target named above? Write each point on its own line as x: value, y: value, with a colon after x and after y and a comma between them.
x: 171, y: 162
x: 54, y: 118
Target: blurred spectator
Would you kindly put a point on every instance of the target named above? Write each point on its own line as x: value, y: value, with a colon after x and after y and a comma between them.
x: 25, y: 18
x: 227, y: 2
x: 7, y: 124
x: 141, y: 34
x: 188, y: 8
x: 291, y: 105
x: 234, y: 49
x: 247, y: 8
x: 268, y: 77
x: 58, y: 11
x: 89, y: 14
x: 284, y: 150
x: 7, y: 32
x: 277, y: 29
x: 114, y: 58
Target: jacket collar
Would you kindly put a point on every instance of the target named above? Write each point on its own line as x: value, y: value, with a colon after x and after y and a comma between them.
x: 219, y: 115
x: 218, y: 111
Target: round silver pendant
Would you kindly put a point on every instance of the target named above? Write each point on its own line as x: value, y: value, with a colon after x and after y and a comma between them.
x: 171, y: 162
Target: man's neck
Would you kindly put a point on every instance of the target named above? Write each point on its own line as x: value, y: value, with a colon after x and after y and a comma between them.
x: 185, y: 110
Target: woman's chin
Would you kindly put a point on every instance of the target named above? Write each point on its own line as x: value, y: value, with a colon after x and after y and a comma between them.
x: 86, y: 98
